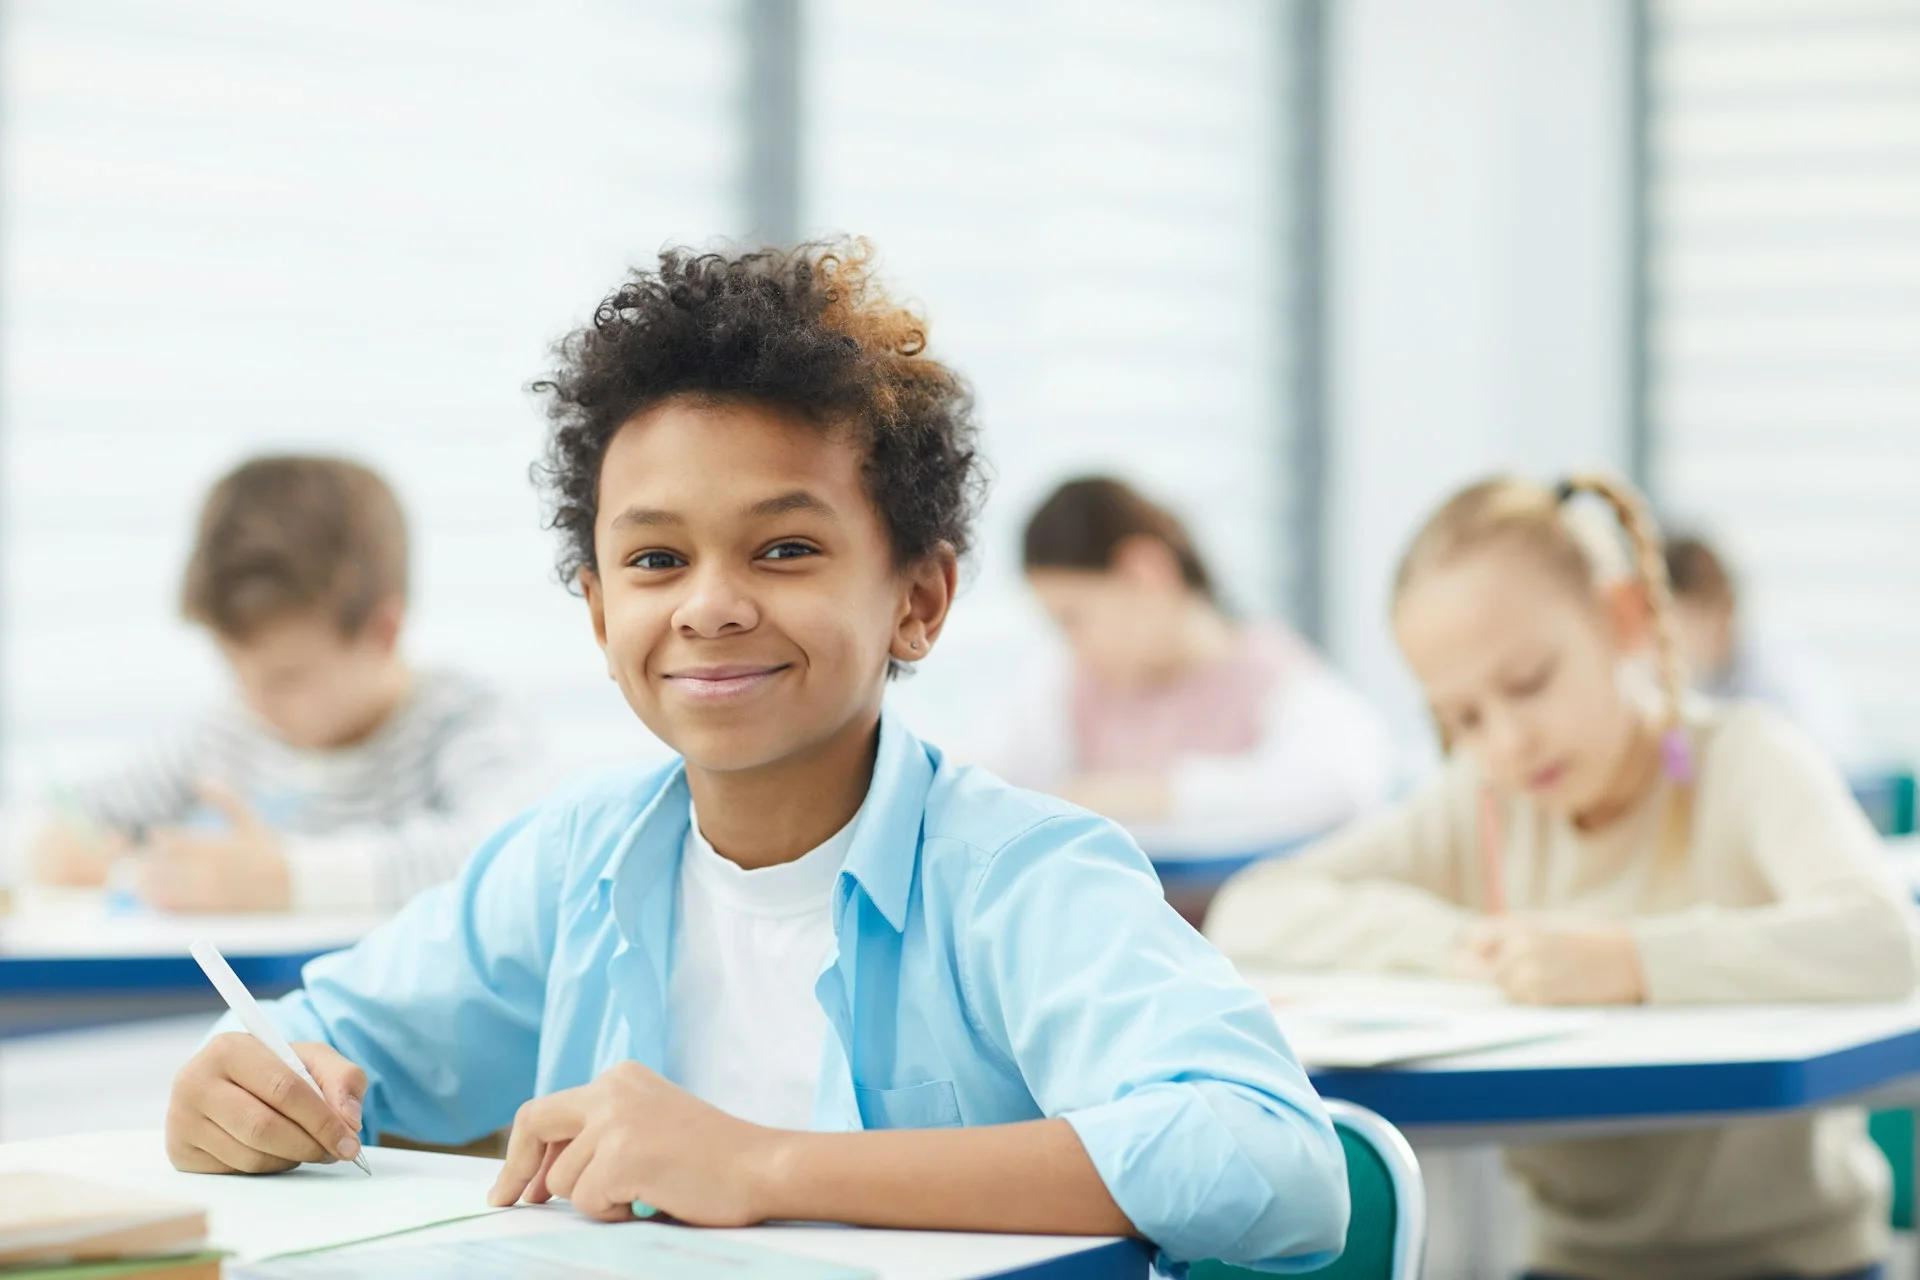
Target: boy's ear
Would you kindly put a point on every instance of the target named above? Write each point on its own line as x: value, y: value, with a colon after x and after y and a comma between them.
x: 382, y: 629
x: 1629, y: 614
x: 930, y: 585
x: 596, y: 605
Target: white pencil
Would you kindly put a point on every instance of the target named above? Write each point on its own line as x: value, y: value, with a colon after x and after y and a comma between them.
x: 255, y: 1020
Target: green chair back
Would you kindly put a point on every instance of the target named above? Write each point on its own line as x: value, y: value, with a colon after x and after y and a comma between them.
x: 1888, y: 799
x: 1387, y: 1232
x: 1893, y: 1132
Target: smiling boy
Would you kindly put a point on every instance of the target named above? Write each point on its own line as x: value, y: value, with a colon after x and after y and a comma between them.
x: 812, y: 970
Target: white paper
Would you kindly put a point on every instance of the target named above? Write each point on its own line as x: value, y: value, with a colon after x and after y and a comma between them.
x: 1341, y: 1033
x: 312, y: 1207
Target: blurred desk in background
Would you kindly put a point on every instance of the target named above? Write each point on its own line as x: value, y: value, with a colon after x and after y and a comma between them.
x: 69, y: 959
x: 1192, y: 865
x: 1632, y: 1069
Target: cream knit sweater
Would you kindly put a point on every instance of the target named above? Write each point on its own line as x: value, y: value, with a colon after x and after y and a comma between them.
x: 1785, y: 895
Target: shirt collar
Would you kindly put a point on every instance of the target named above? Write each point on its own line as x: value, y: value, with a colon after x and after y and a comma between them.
x: 886, y: 840
x: 886, y: 837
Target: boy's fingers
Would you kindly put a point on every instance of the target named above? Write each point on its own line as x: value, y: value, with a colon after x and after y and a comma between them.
x: 253, y: 1124
x: 255, y: 1069
x: 593, y: 1197
x: 569, y: 1165
x: 554, y: 1118
x: 235, y: 1156
x: 344, y: 1083
x: 538, y: 1192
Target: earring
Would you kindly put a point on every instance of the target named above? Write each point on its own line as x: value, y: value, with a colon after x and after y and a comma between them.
x: 915, y: 646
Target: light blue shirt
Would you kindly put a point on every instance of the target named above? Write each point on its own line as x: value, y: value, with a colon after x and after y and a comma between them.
x: 1001, y: 956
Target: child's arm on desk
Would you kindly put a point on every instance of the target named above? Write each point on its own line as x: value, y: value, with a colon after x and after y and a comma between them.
x: 631, y: 1135
x: 91, y: 825
x: 1173, y: 1107
x: 441, y: 1006
x: 1389, y: 892
x: 70, y: 850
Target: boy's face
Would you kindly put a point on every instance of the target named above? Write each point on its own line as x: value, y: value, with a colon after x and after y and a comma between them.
x: 313, y: 686
x: 745, y: 592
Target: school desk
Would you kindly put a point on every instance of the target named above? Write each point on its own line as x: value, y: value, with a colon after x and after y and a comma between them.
x: 258, y: 1216
x: 1193, y: 865
x: 74, y: 959
x: 1634, y: 1068
x: 1631, y: 1070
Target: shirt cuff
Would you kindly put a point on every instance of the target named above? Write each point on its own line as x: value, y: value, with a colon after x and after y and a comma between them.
x: 1173, y: 1170
x: 335, y: 873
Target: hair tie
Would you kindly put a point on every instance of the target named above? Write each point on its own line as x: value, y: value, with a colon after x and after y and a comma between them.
x: 1564, y: 490
x: 1676, y: 756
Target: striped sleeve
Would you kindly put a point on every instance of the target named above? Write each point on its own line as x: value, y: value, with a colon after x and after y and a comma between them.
x: 153, y: 786
x: 479, y: 765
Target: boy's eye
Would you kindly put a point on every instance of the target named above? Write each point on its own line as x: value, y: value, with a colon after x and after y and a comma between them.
x: 790, y: 551
x: 655, y: 560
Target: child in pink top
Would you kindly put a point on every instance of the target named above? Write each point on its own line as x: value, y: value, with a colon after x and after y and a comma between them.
x: 1196, y: 730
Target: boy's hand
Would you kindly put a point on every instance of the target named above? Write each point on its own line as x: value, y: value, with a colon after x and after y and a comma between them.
x: 238, y: 1109
x: 240, y: 869
x: 632, y: 1135
x: 65, y: 853
x: 1535, y: 962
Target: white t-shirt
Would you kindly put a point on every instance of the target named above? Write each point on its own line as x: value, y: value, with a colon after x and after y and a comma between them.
x: 744, y: 1030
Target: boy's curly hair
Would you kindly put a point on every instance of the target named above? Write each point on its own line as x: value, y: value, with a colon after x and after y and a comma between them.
x: 807, y: 330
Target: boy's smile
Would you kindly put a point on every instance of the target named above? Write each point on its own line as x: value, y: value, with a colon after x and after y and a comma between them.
x: 745, y: 588
x: 715, y: 684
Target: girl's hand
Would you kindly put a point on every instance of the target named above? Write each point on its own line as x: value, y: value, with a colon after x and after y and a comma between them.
x: 1536, y: 962
x: 632, y: 1135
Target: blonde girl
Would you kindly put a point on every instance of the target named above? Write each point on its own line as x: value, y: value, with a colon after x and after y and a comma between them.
x: 1590, y: 842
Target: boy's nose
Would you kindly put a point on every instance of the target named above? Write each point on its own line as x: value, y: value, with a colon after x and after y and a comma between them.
x: 715, y: 605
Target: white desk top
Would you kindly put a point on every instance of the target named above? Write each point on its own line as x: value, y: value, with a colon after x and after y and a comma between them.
x: 71, y: 924
x: 261, y: 1217
x: 1624, y: 1036
x: 1624, y: 1069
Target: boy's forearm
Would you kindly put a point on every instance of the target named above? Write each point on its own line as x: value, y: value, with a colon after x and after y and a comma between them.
x: 1029, y: 1178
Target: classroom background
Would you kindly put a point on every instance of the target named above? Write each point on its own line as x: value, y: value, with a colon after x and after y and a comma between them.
x: 1298, y: 268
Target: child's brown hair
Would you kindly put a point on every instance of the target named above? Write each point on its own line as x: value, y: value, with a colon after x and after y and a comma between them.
x: 1506, y: 509
x: 1085, y: 520
x: 1697, y: 572
x: 290, y: 536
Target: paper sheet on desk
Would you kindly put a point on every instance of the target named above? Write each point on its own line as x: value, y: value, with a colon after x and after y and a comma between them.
x: 312, y: 1207
x: 1328, y: 1033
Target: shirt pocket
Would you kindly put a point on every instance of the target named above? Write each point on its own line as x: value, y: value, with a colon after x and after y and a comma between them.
x: 933, y: 1105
